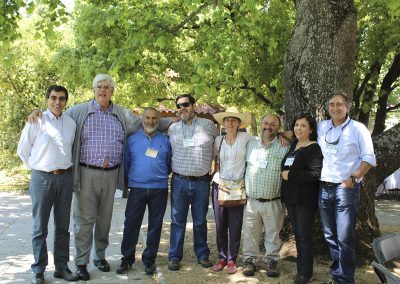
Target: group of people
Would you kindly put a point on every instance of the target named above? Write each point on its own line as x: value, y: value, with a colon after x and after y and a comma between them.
x: 81, y: 156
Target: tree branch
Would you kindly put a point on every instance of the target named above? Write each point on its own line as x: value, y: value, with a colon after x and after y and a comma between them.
x: 190, y: 17
x: 393, y: 107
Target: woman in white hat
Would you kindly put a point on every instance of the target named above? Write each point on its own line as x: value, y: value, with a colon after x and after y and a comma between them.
x: 230, y: 149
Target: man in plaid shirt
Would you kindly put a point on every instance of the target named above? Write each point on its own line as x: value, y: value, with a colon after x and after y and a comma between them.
x: 192, y: 142
x: 264, y: 208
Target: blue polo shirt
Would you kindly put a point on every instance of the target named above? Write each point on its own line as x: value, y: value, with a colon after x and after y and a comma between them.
x: 148, y: 160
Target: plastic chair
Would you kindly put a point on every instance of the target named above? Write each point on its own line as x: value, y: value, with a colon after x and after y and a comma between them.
x: 386, y: 248
x: 384, y: 275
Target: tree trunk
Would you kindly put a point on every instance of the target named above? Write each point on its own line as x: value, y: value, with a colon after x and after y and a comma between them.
x: 321, y: 55
x: 386, y: 87
x: 319, y: 60
x: 367, y: 99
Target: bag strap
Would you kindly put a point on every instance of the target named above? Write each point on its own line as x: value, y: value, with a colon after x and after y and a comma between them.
x: 219, y: 154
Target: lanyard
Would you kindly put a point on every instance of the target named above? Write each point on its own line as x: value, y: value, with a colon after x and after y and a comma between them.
x: 183, y: 131
x: 337, y: 140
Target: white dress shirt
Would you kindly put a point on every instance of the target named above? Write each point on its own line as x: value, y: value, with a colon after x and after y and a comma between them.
x: 47, y: 145
x: 354, y: 145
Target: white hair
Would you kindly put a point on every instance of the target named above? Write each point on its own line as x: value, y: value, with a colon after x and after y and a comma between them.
x: 103, y: 77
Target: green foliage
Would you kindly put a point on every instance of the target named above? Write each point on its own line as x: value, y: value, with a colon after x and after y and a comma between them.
x: 52, y: 13
x: 157, y: 49
x: 378, y: 42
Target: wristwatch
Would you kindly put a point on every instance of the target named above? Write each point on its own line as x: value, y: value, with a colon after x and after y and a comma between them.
x: 354, y: 179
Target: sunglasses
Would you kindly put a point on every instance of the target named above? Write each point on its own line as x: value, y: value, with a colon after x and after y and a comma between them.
x: 187, y: 104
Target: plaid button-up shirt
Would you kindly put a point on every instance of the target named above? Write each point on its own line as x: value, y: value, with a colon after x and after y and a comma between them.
x: 102, y: 138
x: 263, y: 171
x: 192, y: 160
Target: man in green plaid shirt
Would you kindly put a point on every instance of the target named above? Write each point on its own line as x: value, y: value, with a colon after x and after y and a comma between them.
x: 264, y: 208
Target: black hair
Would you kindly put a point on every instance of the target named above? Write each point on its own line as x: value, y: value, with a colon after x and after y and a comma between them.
x: 57, y: 88
x: 311, y: 122
x: 192, y: 100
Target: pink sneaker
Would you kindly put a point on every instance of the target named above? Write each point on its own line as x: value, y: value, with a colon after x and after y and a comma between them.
x: 220, y: 265
x: 231, y: 267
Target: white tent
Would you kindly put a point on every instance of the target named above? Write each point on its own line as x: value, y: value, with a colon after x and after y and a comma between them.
x: 392, y: 181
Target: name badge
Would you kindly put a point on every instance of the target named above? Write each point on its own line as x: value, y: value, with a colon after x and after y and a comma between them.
x: 289, y: 161
x: 333, y: 149
x: 188, y: 142
x: 262, y: 164
x: 152, y: 153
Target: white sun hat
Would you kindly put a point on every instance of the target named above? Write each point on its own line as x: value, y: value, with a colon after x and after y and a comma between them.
x: 245, y: 118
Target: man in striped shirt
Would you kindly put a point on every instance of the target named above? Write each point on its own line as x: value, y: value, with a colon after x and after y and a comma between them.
x: 264, y: 208
x: 192, y: 142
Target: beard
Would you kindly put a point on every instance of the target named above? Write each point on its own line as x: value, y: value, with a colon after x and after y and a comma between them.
x: 150, y: 129
x: 187, y: 116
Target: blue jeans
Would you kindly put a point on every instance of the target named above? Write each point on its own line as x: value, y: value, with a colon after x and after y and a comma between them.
x: 156, y: 199
x: 185, y: 193
x: 338, y: 207
x: 49, y: 191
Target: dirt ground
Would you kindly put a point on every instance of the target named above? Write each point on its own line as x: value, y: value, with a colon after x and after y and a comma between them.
x: 191, y: 272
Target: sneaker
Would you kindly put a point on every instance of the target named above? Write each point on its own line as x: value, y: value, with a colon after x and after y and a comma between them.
x: 83, y: 273
x: 123, y: 267
x: 249, y: 269
x: 174, y: 264
x: 205, y: 263
x: 150, y: 269
x: 38, y: 278
x: 231, y: 267
x: 220, y: 265
x: 102, y: 265
x: 331, y: 281
x: 271, y: 268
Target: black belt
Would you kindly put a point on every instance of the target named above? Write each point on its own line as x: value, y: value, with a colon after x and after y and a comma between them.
x: 327, y: 183
x: 267, y: 200
x: 98, y: 168
x: 60, y: 171
x: 203, y: 178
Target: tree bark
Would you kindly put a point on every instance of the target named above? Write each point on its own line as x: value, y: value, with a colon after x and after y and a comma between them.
x: 320, y: 58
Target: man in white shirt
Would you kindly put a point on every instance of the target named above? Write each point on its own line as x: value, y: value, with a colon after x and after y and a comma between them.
x: 348, y: 155
x: 46, y: 148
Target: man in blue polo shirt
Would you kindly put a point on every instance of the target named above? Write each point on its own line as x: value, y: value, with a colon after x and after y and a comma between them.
x: 147, y: 166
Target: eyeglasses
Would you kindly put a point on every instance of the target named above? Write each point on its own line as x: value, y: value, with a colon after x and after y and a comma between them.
x: 187, y: 104
x: 61, y: 99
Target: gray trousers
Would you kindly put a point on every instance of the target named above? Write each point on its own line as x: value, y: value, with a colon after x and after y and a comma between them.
x: 92, y: 211
x: 48, y: 191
